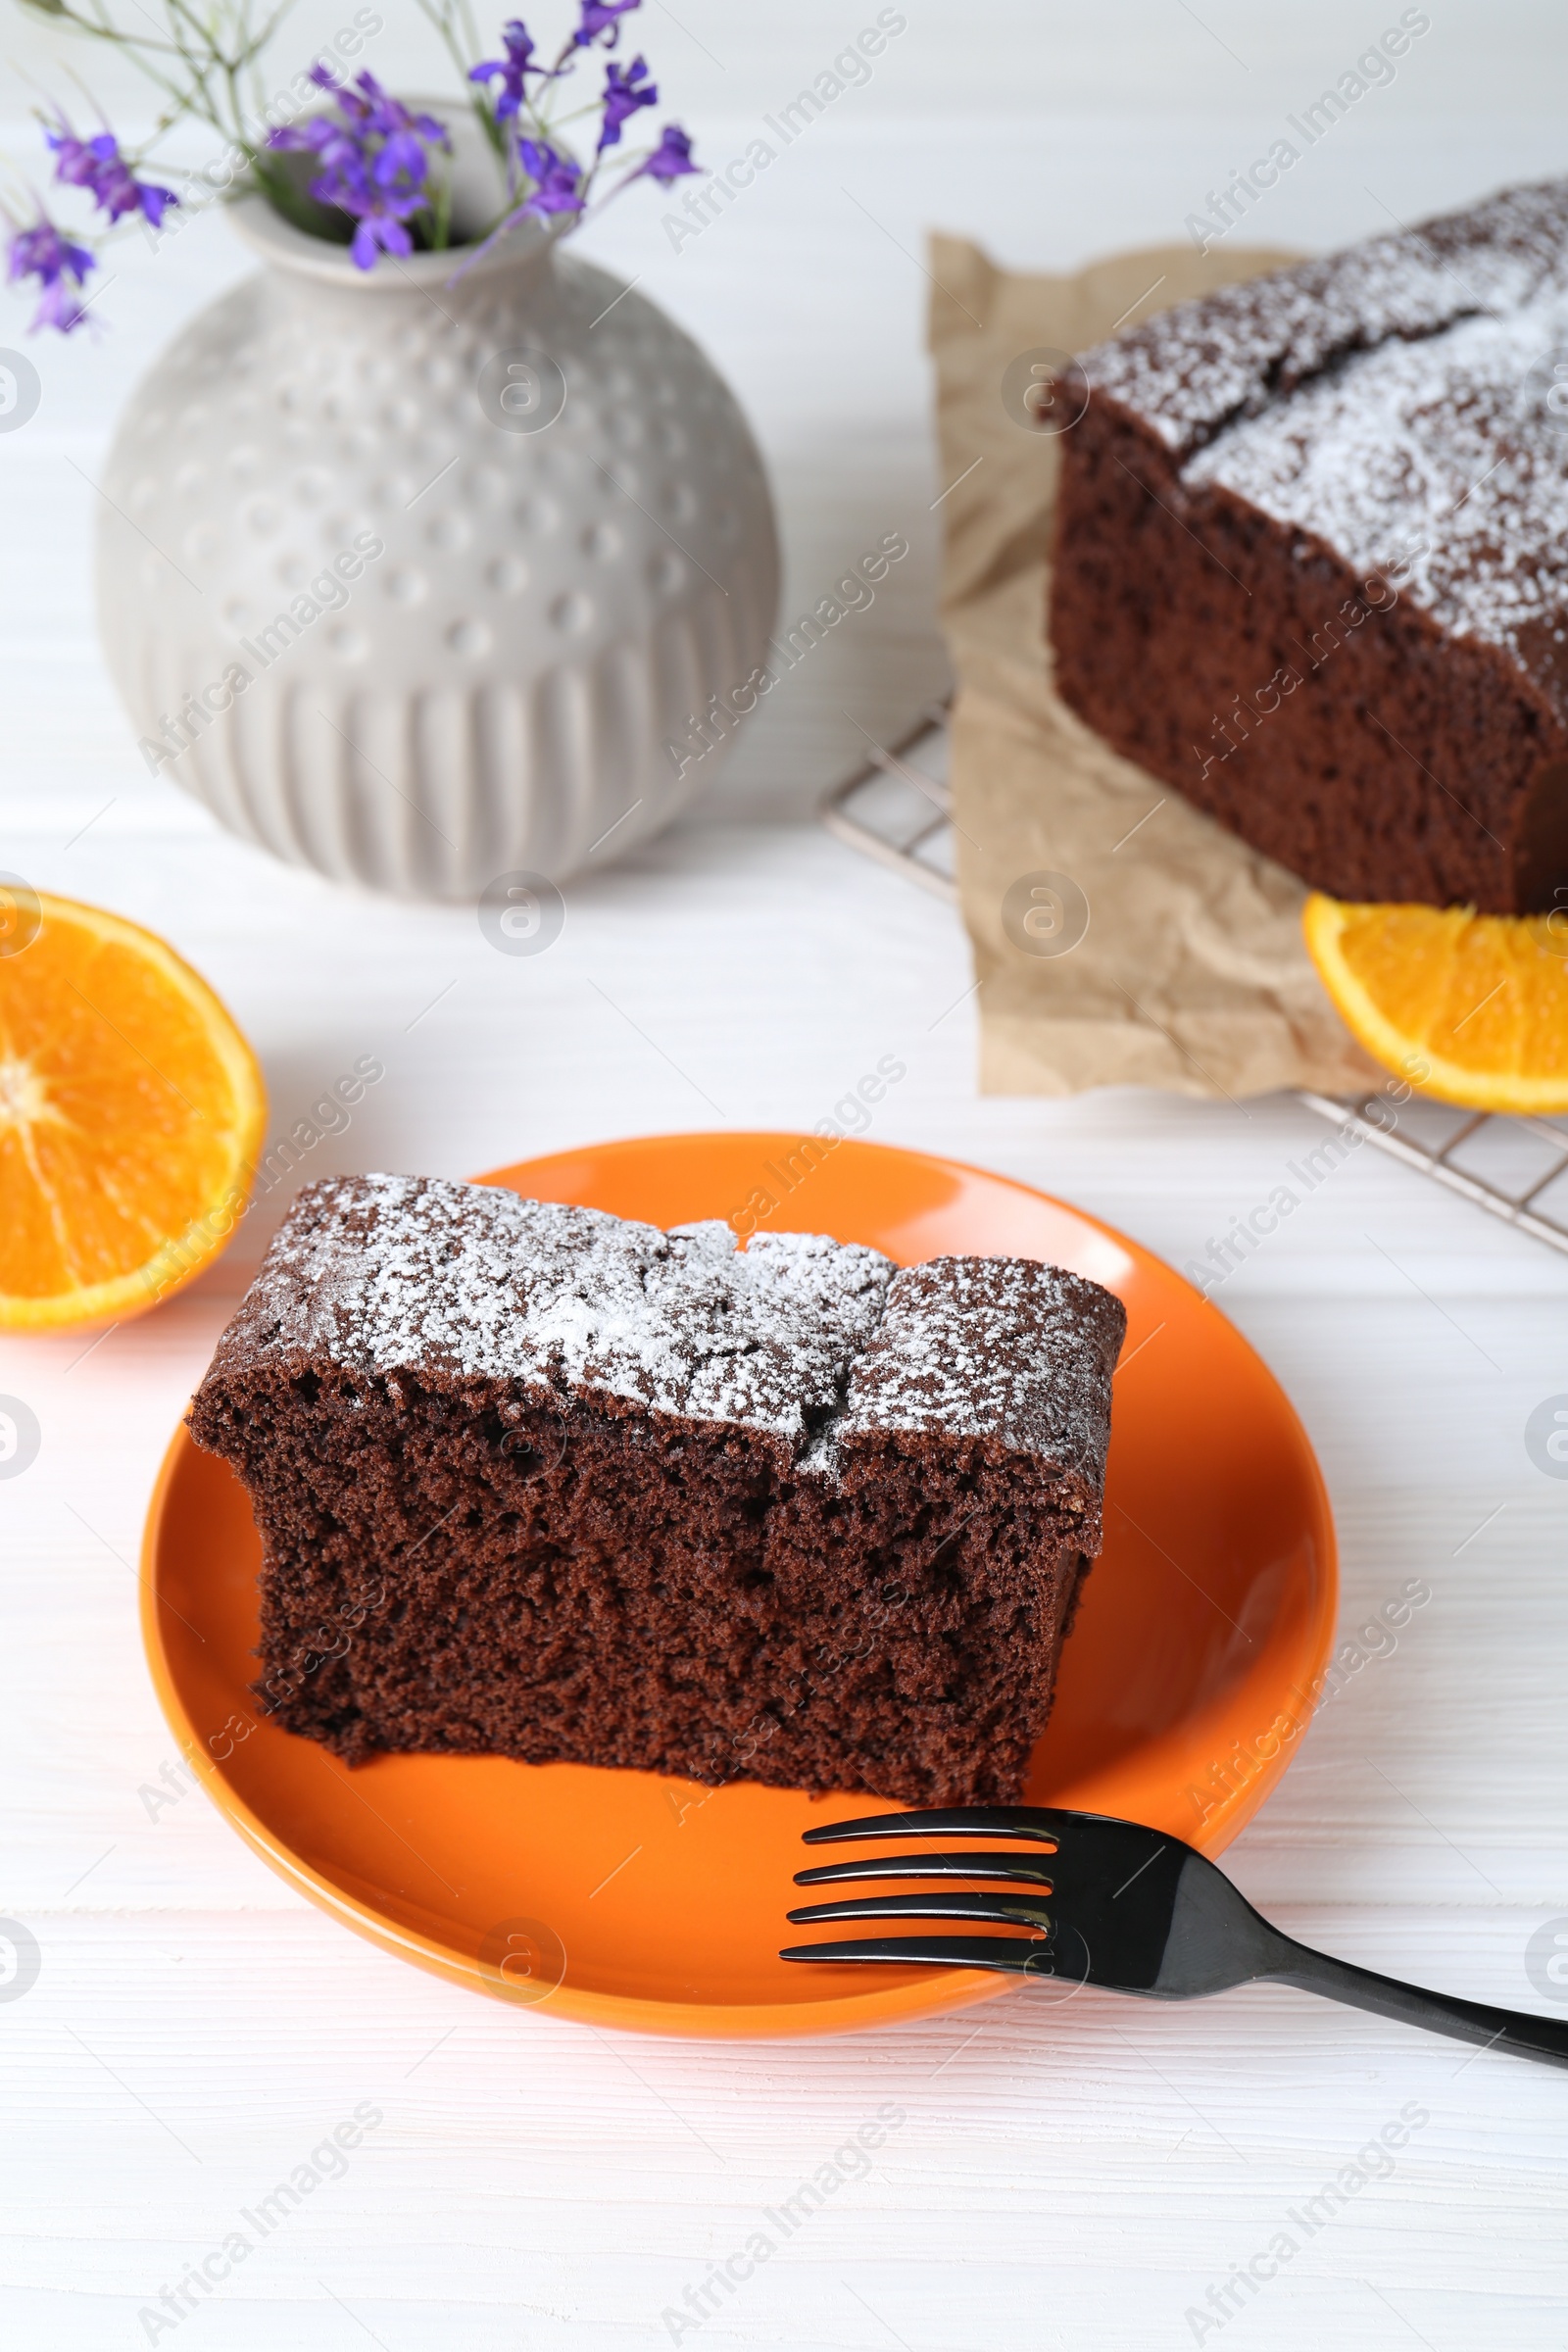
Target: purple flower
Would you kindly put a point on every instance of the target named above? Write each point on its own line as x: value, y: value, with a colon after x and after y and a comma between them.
x: 41, y: 252
x: 602, y: 15
x: 98, y: 165
x: 376, y: 159
x: 670, y: 159
x: 626, y: 90
x: 513, y: 69
x: 379, y: 230
x: 367, y: 112
x: 556, y: 179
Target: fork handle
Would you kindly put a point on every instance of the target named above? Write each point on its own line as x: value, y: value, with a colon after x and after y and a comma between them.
x: 1543, y: 2037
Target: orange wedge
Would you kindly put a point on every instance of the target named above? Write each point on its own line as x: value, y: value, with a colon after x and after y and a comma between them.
x: 131, y: 1114
x: 1471, y: 1009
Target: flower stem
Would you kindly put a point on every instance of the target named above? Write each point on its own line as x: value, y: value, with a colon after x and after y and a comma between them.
x: 441, y: 215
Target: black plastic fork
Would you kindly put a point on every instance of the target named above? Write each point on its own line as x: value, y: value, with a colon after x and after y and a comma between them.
x: 1117, y: 1905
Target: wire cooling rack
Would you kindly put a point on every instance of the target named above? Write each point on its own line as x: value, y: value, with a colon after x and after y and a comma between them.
x: 895, y: 807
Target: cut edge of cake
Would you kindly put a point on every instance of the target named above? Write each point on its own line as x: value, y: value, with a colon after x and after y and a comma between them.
x: 864, y: 1580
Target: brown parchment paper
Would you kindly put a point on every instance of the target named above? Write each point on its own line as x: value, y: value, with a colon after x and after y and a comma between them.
x: 1192, y: 974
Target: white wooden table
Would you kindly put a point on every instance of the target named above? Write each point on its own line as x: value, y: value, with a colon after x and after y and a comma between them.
x: 1082, y: 2178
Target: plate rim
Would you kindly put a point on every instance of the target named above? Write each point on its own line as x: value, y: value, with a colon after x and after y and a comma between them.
x: 942, y: 1990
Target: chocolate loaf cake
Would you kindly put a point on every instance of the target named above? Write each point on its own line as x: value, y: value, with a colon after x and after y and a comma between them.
x: 1311, y: 565
x: 534, y: 1481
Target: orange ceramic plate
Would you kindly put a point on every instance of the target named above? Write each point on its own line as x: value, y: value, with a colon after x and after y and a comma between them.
x: 628, y: 1899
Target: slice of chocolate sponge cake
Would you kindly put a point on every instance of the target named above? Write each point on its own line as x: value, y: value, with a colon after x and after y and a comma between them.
x: 537, y: 1481
x: 1313, y: 558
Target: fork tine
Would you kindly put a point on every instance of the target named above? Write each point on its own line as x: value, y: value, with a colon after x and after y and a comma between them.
x: 1013, y: 1955
x: 1037, y: 1823
x: 1028, y: 1870
x: 999, y: 1910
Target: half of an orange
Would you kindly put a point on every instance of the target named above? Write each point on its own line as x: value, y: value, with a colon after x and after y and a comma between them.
x: 1472, y: 1008
x: 132, y: 1116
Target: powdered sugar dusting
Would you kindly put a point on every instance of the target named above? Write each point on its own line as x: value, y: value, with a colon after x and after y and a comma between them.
x: 1195, y: 369
x: 382, y: 1273
x: 1379, y: 399
x: 996, y: 1348
x: 1422, y: 458
x: 813, y: 1342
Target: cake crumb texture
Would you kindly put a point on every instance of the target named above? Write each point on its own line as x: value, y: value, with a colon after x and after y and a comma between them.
x: 538, y: 1481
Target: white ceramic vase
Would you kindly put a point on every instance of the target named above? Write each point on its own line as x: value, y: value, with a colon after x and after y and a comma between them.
x: 379, y: 607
